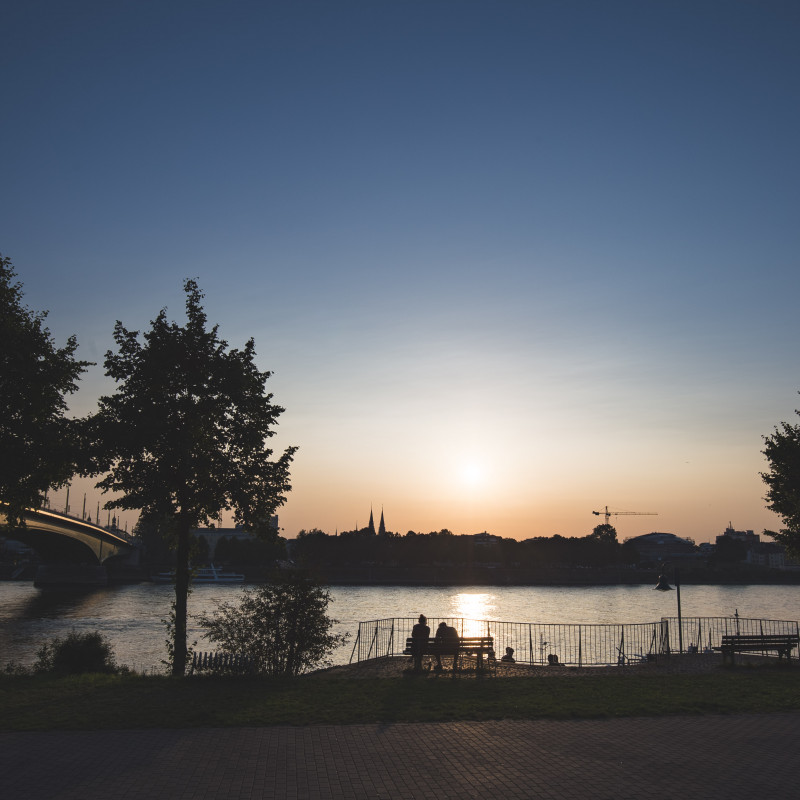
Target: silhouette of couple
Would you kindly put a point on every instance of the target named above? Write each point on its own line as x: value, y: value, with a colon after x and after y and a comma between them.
x: 420, y: 634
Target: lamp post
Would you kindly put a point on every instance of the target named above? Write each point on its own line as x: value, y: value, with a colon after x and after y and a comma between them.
x: 663, y: 586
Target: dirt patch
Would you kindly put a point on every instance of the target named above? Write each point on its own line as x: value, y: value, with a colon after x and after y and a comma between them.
x: 401, y: 666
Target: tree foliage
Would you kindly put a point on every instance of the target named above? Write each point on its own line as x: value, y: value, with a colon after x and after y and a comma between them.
x: 317, y: 550
x: 782, y: 450
x: 605, y: 533
x: 184, y: 436
x: 38, y: 443
x: 282, y: 627
x: 76, y: 654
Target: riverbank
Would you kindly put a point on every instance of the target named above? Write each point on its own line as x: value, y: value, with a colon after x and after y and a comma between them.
x: 458, y: 576
x: 477, y: 575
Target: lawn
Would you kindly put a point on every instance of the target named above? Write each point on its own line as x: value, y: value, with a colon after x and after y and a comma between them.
x: 97, y: 702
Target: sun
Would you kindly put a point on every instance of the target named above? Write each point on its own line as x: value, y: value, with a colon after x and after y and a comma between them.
x: 472, y: 473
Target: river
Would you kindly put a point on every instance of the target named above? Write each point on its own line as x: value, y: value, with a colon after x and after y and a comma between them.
x: 130, y: 616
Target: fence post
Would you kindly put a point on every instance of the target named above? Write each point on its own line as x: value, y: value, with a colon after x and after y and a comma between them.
x: 355, y: 644
x: 374, y: 640
x: 580, y: 646
x: 530, y: 644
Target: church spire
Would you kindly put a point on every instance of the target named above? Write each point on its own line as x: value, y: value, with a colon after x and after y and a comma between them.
x: 371, y: 528
x: 381, y: 527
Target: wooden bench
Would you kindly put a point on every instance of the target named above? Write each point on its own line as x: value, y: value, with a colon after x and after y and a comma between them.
x: 783, y: 643
x: 480, y: 647
x: 221, y: 664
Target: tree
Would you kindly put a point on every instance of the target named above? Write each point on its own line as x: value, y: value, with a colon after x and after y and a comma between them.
x: 782, y: 450
x: 38, y: 443
x: 605, y: 533
x: 183, y: 438
x: 282, y: 627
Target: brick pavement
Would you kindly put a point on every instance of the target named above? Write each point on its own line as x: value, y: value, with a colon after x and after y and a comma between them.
x: 731, y: 757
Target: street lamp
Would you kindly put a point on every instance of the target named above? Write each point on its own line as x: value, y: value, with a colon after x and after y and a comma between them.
x: 663, y: 586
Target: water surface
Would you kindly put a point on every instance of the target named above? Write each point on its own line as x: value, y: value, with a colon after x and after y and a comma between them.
x: 130, y: 616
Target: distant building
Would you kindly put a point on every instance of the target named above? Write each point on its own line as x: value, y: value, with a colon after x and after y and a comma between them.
x: 762, y: 554
x: 484, y: 539
x: 371, y: 527
x: 767, y: 554
x: 213, y: 535
x: 748, y: 537
x: 656, y: 547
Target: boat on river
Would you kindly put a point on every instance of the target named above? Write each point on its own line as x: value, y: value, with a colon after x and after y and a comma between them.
x: 209, y: 574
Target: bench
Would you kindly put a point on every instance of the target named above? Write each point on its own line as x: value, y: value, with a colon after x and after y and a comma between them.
x: 221, y: 664
x: 783, y: 643
x: 479, y: 647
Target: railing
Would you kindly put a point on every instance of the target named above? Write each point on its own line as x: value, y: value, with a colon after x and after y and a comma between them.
x: 533, y: 643
x: 704, y: 634
x: 573, y: 645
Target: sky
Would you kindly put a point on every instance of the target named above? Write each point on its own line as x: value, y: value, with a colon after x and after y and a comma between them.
x: 509, y: 262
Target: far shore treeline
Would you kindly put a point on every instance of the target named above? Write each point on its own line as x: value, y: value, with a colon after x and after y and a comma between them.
x: 360, y: 557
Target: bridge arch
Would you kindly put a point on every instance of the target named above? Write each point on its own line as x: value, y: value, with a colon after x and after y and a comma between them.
x: 61, y: 538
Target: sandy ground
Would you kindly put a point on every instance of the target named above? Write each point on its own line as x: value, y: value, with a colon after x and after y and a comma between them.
x: 400, y: 666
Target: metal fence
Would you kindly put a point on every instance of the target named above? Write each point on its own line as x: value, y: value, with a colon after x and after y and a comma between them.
x: 572, y: 645
x: 704, y: 634
x: 532, y: 643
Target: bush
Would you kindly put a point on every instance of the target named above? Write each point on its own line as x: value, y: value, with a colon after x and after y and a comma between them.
x: 15, y: 668
x: 76, y: 654
x: 282, y: 628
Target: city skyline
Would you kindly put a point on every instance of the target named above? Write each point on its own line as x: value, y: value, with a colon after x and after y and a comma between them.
x: 510, y: 263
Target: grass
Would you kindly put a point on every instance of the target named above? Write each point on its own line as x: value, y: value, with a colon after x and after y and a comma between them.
x: 105, y: 702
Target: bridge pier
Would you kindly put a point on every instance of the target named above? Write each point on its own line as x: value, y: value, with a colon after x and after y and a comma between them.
x: 70, y: 576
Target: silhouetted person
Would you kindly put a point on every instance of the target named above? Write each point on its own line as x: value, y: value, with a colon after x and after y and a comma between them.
x: 509, y: 656
x: 445, y: 634
x: 420, y: 634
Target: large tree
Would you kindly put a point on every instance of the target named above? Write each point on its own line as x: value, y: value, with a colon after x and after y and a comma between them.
x: 37, y: 441
x: 184, y: 437
x: 782, y: 450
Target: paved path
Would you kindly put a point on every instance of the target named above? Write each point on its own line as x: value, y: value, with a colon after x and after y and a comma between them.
x: 737, y: 756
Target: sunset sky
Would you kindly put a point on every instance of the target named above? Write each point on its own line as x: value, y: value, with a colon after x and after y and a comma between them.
x: 510, y: 262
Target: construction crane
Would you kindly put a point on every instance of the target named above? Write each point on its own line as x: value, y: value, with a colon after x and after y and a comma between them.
x: 608, y: 514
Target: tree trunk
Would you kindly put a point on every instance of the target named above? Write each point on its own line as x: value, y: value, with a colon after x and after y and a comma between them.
x: 181, y: 599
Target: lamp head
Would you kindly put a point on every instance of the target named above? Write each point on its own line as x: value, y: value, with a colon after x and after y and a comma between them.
x: 662, y: 585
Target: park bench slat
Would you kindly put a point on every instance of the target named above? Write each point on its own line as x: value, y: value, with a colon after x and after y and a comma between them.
x: 479, y: 646
x: 782, y: 643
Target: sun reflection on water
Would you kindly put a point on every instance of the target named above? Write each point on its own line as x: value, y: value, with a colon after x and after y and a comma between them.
x: 473, y: 608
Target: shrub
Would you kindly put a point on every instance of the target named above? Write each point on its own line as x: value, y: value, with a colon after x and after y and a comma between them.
x: 15, y: 668
x: 282, y: 627
x: 76, y: 654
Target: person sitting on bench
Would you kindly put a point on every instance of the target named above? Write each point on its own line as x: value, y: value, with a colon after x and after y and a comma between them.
x: 419, y: 635
x: 445, y: 634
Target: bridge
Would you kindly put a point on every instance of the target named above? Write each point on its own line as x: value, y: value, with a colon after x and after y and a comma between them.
x: 73, y: 550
